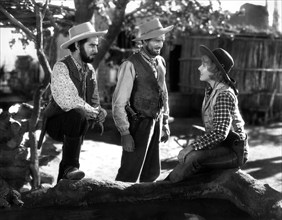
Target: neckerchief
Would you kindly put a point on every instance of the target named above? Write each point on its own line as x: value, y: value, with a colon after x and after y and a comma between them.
x: 152, y: 61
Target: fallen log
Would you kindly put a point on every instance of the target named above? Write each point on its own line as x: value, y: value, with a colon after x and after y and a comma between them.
x: 259, y: 200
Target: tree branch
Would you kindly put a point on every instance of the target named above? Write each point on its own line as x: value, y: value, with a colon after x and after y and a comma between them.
x: 44, y: 9
x: 113, y: 31
x: 260, y: 201
x: 18, y: 24
x: 143, y: 5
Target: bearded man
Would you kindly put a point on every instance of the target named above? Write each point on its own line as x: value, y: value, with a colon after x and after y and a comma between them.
x: 75, y: 104
x: 140, y: 106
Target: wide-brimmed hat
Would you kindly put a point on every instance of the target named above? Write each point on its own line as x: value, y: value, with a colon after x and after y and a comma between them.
x: 80, y: 32
x: 152, y: 29
x: 222, y: 59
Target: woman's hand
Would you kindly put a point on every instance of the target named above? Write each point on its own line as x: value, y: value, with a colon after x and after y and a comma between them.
x: 165, y: 133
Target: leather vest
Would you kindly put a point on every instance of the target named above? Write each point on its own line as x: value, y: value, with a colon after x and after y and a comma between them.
x: 148, y: 91
x: 208, y: 110
x: 53, y: 109
x: 78, y: 81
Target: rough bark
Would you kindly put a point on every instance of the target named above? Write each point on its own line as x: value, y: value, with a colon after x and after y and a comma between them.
x: 113, y: 31
x: 84, y: 10
x: 248, y: 194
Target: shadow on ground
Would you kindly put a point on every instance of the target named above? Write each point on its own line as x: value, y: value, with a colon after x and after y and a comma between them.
x: 264, y: 168
x: 265, y: 159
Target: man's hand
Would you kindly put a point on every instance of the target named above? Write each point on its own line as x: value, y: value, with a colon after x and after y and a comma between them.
x: 101, y: 116
x: 183, y: 153
x: 165, y: 133
x: 127, y: 143
x: 100, y: 119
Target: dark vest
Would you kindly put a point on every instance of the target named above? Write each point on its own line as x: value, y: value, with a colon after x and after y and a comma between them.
x: 148, y: 92
x: 53, y: 108
x: 208, y: 110
x: 77, y: 79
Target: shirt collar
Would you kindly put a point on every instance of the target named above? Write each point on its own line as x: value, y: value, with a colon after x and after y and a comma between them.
x: 218, y: 85
x: 79, y: 67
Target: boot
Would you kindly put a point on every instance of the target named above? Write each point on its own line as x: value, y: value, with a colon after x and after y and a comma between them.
x: 69, y: 165
x: 73, y: 173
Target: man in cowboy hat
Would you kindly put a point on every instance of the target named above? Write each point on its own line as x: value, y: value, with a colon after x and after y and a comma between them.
x: 75, y: 101
x: 140, y: 106
x: 223, y: 144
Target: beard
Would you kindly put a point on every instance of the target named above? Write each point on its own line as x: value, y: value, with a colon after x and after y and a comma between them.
x: 84, y: 57
x: 152, y: 51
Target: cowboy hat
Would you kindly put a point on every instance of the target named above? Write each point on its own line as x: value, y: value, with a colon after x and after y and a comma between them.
x: 222, y: 59
x: 80, y: 32
x: 152, y: 29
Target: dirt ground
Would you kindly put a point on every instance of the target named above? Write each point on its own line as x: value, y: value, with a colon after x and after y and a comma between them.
x: 100, y: 155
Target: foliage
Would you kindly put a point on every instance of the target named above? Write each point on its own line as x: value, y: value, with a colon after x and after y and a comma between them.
x: 27, y: 81
x: 189, y: 17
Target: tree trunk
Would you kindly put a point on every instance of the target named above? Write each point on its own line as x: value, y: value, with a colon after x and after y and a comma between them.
x: 114, y: 30
x: 251, y: 196
x: 84, y: 10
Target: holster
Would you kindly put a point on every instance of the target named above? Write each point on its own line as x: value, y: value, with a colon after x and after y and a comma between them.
x: 131, y: 114
x: 238, y: 146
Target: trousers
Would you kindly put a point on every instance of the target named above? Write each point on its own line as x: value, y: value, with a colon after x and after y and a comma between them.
x: 70, y: 128
x: 143, y: 164
x: 219, y: 157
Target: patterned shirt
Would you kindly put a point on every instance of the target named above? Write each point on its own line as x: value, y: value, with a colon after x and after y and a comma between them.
x: 222, y: 119
x: 65, y: 93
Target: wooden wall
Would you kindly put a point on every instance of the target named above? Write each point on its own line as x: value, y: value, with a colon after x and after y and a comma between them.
x: 258, y: 64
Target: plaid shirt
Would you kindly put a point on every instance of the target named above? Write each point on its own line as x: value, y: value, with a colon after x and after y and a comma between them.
x: 224, y: 109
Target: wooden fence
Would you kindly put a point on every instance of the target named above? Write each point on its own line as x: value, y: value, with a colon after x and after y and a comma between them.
x: 258, y: 64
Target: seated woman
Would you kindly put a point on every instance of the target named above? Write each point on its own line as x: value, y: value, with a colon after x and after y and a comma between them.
x: 223, y: 145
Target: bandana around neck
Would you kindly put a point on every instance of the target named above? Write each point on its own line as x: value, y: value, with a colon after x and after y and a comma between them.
x: 152, y: 60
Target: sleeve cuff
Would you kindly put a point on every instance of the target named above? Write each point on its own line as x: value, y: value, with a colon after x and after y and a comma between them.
x: 126, y: 132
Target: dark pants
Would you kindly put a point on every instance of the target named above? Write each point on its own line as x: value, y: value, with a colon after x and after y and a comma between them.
x: 144, y: 163
x: 220, y: 157
x: 70, y: 128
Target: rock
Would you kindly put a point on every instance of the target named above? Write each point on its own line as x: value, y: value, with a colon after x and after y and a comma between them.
x: 14, y: 162
x: 46, y: 178
x: 15, y: 176
x: 9, y: 196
